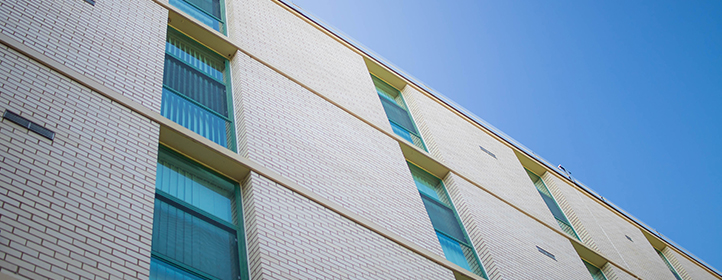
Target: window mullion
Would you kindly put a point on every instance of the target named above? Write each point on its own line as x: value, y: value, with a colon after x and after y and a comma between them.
x: 195, y: 211
x: 204, y: 107
x: 204, y: 11
x: 196, y: 68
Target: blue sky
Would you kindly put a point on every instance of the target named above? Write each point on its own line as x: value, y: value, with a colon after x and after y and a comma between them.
x: 627, y: 95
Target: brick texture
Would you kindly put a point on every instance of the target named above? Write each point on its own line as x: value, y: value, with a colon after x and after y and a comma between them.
x: 328, y: 151
x: 410, y: 95
x: 471, y: 225
x: 117, y: 43
x: 74, y: 207
x: 579, y: 227
x: 511, y: 239
x: 614, y: 273
x: 675, y: 262
x: 458, y: 144
x: 298, y: 49
x: 692, y: 270
x: 291, y: 237
x: 608, y: 231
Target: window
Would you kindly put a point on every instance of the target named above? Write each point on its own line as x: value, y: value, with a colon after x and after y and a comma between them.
x: 209, y: 12
x: 594, y: 271
x: 669, y: 265
x: 449, y: 230
x: 565, y: 225
x: 195, y: 89
x: 196, y: 223
x: 397, y: 113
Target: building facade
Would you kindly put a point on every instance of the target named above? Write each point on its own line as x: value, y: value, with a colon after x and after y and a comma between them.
x: 240, y: 139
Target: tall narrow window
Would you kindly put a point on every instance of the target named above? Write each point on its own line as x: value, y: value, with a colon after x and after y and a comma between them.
x: 669, y: 265
x: 209, y: 12
x: 196, y: 223
x: 562, y: 220
x: 449, y: 230
x: 196, y: 90
x: 594, y: 271
x: 397, y: 113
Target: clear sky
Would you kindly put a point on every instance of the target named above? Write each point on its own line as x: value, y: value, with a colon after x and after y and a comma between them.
x: 627, y: 95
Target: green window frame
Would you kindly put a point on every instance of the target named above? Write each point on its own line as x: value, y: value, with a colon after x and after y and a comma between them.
x: 197, y: 223
x: 196, y: 89
x: 398, y: 113
x: 209, y: 12
x: 596, y: 273
x: 669, y: 265
x: 552, y: 204
x: 449, y: 229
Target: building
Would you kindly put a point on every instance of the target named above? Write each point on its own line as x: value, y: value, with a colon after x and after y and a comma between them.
x: 203, y: 139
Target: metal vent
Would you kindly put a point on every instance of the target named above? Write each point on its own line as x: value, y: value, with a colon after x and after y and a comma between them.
x: 34, y: 127
x: 488, y: 152
x: 546, y: 253
x: 627, y: 236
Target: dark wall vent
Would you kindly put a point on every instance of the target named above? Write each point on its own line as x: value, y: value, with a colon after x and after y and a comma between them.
x: 488, y: 152
x: 34, y: 127
x: 546, y: 253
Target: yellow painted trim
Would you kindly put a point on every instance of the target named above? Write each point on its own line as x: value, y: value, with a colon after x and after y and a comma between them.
x: 225, y: 161
x: 387, y: 82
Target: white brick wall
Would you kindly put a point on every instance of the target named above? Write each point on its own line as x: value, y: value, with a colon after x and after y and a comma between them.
x: 328, y: 151
x: 672, y: 258
x: 614, y: 273
x: 608, y: 231
x: 79, y: 206
x: 551, y: 182
x: 305, y: 53
x: 291, y: 237
x: 458, y: 142
x: 118, y: 43
x: 692, y: 270
x: 511, y: 238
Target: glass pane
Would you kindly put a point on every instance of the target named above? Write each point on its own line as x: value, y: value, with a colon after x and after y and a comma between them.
x: 595, y: 272
x: 193, y: 188
x: 473, y: 261
x: 418, y: 142
x: 538, y: 183
x: 567, y: 228
x: 384, y: 89
x: 194, y: 242
x: 195, y: 12
x: 193, y: 117
x: 212, y: 7
x: 192, y: 54
x: 400, y: 131
x: 443, y: 219
x: 163, y: 271
x: 453, y: 251
x: 398, y: 115
x: 427, y: 184
x: 195, y: 85
x: 554, y: 208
